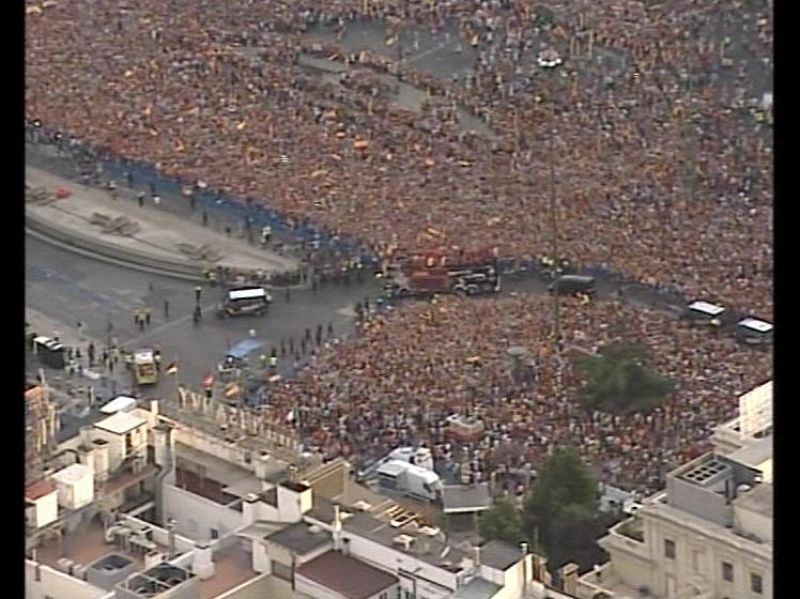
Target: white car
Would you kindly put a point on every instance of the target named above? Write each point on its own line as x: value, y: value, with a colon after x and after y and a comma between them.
x: 549, y: 59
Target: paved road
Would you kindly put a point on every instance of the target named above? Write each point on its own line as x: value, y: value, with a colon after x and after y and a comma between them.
x: 67, y: 288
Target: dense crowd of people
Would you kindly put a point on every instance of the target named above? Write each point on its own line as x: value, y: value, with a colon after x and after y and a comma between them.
x: 661, y: 149
x: 654, y: 127
x: 408, y: 370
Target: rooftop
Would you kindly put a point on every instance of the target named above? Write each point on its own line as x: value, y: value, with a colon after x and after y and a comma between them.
x: 433, y: 549
x: 301, y: 538
x: 462, y: 498
x: 232, y: 567
x: 754, y: 454
x: 500, y: 555
x: 203, y: 486
x: 156, y: 580
x: 706, y: 527
x: 120, y: 423
x: 72, y: 473
x: 759, y: 500
x: 346, y: 575
x: 477, y: 588
x: 269, y: 586
x: 39, y: 489
x: 84, y: 547
x: 216, y: 468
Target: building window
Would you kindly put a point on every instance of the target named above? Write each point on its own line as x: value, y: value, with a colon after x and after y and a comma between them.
x: 669, y: 549
x: 215, y: 535
x: 756, y: 584
x: 727, y: 572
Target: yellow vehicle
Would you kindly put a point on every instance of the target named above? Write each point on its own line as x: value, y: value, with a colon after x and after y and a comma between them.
x: 145, y: 367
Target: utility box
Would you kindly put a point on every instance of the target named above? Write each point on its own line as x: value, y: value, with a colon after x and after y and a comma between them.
x: 42, y: 504
x: 75, y: 486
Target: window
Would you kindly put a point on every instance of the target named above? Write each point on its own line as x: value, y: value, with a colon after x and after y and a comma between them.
x: 215, y: 535
x: 727, y: 572
x: 669, y: 549
x: 756, y: 584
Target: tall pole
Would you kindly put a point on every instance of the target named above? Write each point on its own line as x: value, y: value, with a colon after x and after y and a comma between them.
x: 554, y: 224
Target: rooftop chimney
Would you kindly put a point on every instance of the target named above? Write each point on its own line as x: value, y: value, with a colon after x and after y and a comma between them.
x: 337, y: 528
x: 170, y: 538
x: 202, y: 563
x: 569, y: 578
x: 477, y: 557
x: 524, y: 547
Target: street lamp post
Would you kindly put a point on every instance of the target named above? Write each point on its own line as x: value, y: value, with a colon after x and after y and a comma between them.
x: 554, y: 226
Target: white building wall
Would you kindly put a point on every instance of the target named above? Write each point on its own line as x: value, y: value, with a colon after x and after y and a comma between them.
x: 212, y: 445
x: 261, y: 561
x: 511, y: 580
x: 389, y: 559
x: 58, y: 585
x: 697, y: 563
x: 195, y: 516
x: 115, y: 445
x: 753, y: 523
x: 161, y: 536
x: 46, y: 509
x: 318, y: 591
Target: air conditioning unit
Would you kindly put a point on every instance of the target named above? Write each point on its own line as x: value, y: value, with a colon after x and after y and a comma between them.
x: 65, y: 565
x: 152, y: 559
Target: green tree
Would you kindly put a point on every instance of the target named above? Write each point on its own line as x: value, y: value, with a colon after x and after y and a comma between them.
x: 502, y: 521
x: 560, y: 511
x: 620, y: 379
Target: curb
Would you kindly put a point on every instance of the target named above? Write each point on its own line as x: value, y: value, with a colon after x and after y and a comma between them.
x: 139, y: 261
x: 83, y: 245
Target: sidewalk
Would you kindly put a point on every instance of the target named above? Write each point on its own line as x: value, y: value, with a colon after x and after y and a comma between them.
x: 160, y: 233
x: 71, y: 391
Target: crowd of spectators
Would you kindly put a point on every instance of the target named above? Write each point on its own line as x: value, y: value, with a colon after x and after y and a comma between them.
x: 663, y: 153
x: 655, y: 125
x: 406, y: 371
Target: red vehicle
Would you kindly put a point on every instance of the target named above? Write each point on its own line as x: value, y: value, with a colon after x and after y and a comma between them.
x: 444, y: 270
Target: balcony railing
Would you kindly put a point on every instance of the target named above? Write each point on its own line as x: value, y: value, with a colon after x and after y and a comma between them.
x: 631, y: 528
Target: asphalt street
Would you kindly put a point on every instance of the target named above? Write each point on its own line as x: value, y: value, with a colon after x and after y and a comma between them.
x: 68, y: 288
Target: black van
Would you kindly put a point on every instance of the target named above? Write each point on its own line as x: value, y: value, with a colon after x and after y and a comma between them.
x: 573, y: 284
x: 245, y: 300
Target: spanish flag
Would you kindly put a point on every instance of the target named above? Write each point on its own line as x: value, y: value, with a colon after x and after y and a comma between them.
x: 172, y: 368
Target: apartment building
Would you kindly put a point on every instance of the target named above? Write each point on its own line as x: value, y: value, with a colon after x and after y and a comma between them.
x: 707, y: 536
x: 141, y: 505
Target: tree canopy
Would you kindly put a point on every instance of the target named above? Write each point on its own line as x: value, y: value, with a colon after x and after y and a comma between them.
x: 561, y: 510
x: 502, y: 521
x: 619, y: 379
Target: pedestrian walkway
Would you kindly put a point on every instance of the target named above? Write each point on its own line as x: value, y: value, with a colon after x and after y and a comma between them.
x: 72, y: 390
x: 160, y: 233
